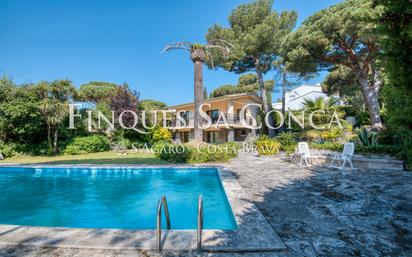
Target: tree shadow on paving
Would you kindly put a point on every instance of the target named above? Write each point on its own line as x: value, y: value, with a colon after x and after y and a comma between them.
x: 325, y: 212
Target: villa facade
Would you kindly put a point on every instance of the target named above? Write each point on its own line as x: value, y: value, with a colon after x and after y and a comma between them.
x: 224, y: 113
x: 295, y: 98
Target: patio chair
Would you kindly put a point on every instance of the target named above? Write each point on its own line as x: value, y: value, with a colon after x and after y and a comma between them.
x: 344, y: 157
x: 304, y: 154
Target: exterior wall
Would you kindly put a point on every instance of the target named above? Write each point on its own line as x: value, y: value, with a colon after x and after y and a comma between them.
x: 228, y: 106
x: 295, y: 98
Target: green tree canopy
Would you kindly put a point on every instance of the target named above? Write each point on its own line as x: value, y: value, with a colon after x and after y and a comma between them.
x: 341, y: 35
x: 20, y: 117
x: 396, y: 26
x: 341, y: 80
x: 54, y: 105
x: 97, y: 91
x: 255, y: 32
x: 7, y: 87
x: 247, y: 84
x: 149, y: 104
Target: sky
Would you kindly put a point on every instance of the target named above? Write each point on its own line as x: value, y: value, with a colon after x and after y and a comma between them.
x: 119, y: 41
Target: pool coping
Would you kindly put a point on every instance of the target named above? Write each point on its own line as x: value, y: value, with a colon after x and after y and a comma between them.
x: 254, y: 233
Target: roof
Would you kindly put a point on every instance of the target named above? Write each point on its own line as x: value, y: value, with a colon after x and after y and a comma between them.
x: 313, y: 87
x: 220, y: 98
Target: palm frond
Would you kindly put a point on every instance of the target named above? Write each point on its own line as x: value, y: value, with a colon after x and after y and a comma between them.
x: 223, y: 49
x: 220, y: 42
x: 210, y: 57
x: 177, y: 45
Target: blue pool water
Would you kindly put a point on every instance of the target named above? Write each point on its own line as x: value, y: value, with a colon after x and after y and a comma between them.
x: 124, y: 198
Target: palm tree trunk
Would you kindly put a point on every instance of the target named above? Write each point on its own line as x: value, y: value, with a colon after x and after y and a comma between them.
x: 198, y: 88
x: 56, y: 133
x: 49, y: 142
x: 284, y: 88
x: 264, y: 97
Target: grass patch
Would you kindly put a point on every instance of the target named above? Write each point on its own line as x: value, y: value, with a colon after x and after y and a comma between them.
x: 108, y: 157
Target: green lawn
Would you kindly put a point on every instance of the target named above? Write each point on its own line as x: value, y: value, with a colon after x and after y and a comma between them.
x: 92, y: 158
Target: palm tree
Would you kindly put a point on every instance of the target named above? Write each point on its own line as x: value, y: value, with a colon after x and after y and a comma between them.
x: 54, y: 106
x: 320, y: 103
x: 199, y: 54
x: 329, y: 105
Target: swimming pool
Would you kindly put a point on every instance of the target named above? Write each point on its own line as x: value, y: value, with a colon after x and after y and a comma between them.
x: 111, y: 197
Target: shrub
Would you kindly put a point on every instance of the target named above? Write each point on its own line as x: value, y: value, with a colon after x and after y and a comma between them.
x: 312, y: 135
x: 394, y: 150
x: 347, y: 127
x: 286, y: 138
x: 123, y: 144
x: 289, y: 148
x: 161, y: 134
x: 267, y: 146
x: 176, y: 153
x: 7, y: 150
x: 214, y: 153
x: 14, y: 149
x: 287, y: 141
x: 362, y: 118
x: 333, y: 146
x: 331, y: 134
x: 38, y: 149
x: 367, y: 138
x: 88, y: 144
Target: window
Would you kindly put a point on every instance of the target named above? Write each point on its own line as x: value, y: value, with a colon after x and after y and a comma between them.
x: 186, y: 115
x: 238, y: 114
x: 213, y: 137
x: 214, y: 115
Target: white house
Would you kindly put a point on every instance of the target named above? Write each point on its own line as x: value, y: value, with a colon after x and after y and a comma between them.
x: 295, y: 97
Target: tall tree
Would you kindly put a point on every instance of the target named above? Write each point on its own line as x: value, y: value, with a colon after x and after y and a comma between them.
x: 247, y: 84
x: 149, y: 104
x: 124, y: 99
x: 200, y: 54
x: 285, y: 81
x: 97, y: 91
x: 341, y: 80
x: 340, y: 35
x: 205, y: 95
x: 55, y: 97
x: 20, y: 118
x: 396, y: 25
x: 256, y: 32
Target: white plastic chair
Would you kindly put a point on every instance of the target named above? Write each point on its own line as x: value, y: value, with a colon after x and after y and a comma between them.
x: 304, y: 154
x: 344, y: 157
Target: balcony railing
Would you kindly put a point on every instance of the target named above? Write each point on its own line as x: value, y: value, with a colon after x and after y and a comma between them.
x: 232, y: 119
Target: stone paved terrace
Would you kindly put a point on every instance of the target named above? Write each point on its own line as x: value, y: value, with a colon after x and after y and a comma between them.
x: 325, y: 212
x: 315, y: 211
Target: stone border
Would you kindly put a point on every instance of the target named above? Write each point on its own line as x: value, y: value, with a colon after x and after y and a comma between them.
x: 253, y: 234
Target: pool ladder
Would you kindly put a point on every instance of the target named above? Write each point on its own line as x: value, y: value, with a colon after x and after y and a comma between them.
x: 163, y: 203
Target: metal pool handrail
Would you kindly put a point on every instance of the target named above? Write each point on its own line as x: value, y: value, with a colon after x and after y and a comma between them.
x: 199, y: 223
x: 162, y: 202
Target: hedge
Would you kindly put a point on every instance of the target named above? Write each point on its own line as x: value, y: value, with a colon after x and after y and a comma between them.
x: 88, y: 144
